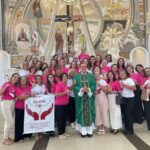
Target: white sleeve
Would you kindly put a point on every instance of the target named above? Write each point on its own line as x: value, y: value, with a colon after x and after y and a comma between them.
x: 80, y: 92
x: 145, y: 83
x: 130, y: 82
x: 89, y: 93
x: 102, y: 82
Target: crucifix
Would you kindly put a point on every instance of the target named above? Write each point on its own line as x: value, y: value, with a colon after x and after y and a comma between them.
x: 70, y: 19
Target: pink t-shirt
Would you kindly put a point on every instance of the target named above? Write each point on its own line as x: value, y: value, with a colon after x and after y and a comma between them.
x: 120, y: 69
x: 105, y: 69
x: 115, y: 86
x: 57, y: 79
x: 32, y: 78
x: 52, y: 71
x: 136, y: 77
x: 64, y: 70
x: 21, y: 90
x: 9, y: 94
x: 44, y: 79
x: 53, y: 88
x: 83, y: 56
x: 61, y: 100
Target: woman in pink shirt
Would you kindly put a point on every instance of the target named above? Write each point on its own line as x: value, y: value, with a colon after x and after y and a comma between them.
x: 83, y: 55
x: 115, y: 71
x: 58, y: 74
x: 50, y: 89
x: 98, y: 60
x: 51, y: 84
x: 32, y: 76
x: 61, y: 102
x: 92, y: 63
x: 114, y: 109
x: 34, y: 61
x: 74, y: 66
x: 45, y: 75
x: 62, y: 67
x: 104, y: 68
x: 23, y: 91
x: 53, y: 66
x: 121, y: 64
x: 8, y: 101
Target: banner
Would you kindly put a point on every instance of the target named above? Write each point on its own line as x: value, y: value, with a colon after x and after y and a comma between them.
x: 39, y: 114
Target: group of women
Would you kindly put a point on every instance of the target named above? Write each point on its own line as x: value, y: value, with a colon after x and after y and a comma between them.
x: 37, y: 77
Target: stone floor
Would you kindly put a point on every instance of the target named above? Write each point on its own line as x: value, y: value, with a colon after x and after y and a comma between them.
x: 138, y: 141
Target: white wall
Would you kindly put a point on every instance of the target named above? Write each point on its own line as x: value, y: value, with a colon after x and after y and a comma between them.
x: 4, y: 65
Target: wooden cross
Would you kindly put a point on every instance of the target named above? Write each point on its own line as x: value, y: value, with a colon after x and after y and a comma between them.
x: 70, y: 18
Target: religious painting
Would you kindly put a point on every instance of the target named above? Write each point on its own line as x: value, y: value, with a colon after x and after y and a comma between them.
x: 37, y: 9
x: 17, y: 60
x: 115, y: 41
x: 22, y: 38
x: 60, y: 26
x: 22, y: 32
x: 116, y: 10
x: 59, y: 42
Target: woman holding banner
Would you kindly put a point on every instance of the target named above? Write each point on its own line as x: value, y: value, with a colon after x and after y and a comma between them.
x: 50, y: 87
x: 38, y: 89
x: 23, y: 91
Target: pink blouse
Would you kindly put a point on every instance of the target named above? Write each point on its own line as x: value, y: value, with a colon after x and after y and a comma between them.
x: 137, y: 78
x: 53, y: 88
x: 22, y: 90
x: 64, y: 70
x: 61, y: 100
x: 105, y: 69
x: 9, y: 93
x: 120, y: 69
x: 115, y: 86
x: 83, y: 56
x: 52, y: 71
x: 44, y: 79
x: 32, y: 78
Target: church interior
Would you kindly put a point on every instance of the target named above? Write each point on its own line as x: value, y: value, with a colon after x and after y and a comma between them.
x: 120, y: 28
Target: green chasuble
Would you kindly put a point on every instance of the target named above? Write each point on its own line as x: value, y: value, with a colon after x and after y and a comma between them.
x: 85, y: 108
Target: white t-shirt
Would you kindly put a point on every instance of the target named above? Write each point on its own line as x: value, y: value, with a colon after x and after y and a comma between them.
x: 126, y: 92
x: 38, y: 89
x: 23, y: 72
x: 39, y: 72
x: 110, y: 64
x: 69, y: 84
x: 102, y: 83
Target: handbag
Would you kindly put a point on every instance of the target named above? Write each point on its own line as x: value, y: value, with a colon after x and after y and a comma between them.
x: 119, y: 99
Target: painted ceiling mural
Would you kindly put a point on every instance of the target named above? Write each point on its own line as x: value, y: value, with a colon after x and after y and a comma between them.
x: 41, y: 27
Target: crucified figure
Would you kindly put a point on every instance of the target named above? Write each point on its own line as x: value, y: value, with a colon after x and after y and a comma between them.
x: 70, y: 29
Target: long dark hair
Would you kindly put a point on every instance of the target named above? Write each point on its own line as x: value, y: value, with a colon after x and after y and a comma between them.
x: 48, y: 84
x: 123, y: 65
x: 114, y: 78
x: 16, y: 84
x: 90, y: 65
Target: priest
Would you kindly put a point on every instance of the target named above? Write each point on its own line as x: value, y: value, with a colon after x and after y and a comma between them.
x: 84, y: 90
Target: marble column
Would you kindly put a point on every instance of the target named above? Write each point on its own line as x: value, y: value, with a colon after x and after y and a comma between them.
x: 0, y: 24
x: 147, y: 12
x: 136, y: 12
